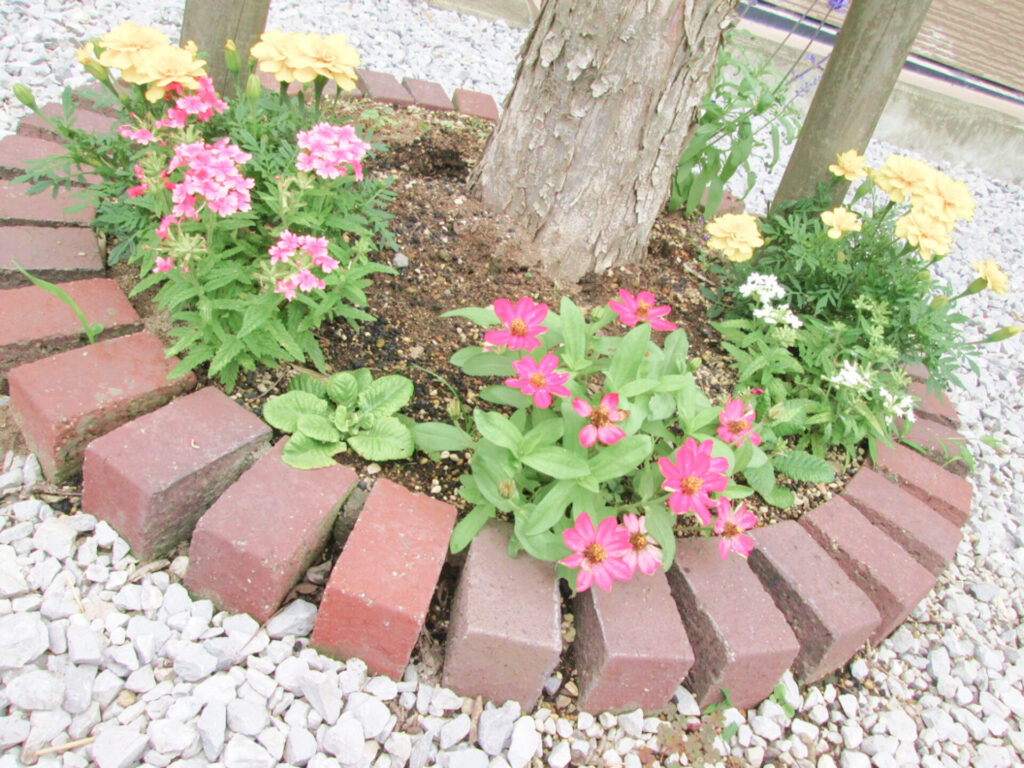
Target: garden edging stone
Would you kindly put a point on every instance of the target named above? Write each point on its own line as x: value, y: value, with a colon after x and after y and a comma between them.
x: 872, y: 560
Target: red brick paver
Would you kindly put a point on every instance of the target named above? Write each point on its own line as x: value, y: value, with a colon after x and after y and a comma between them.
x: 34, y: 323
x: 18, y: 207
x: 384, y: 88
x: 830, y: 615
x: 63, y: 402
x: 377, y: 597
x: 476, y: 104
x: 933, y: 405
x: 250, y: 548
x: 428, y: 94
x: 36, y: 127
x: 154, y: 476
x: 631, y: 647
x: 942, y: 443
x: 56, y: 254
x: 504, y: 640
x: 17, y: 152
x: 930, y: 538
x: 740, y: 639
x: 893, y: 580
x: 945, y: 492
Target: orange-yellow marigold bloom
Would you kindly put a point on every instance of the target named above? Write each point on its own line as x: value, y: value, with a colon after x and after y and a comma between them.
x: 123, y: 46
x: 994, y: 276
x: 903, y: 178
x: 840, y: 221
x: 275, y: 54
x: 165, y: 65
x: 850, y: 164
x: 331, y: 57
x: 947, y: 199
x: 925, y: 233
x: 735, y: 235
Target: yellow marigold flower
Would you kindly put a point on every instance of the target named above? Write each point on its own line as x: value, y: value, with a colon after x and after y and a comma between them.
x: 275, y: 54
x: 947, y: 199
x: 331, y: 57
x: 841, y: 220
x: 123, y: 46
x: 86, y: 56
x: 735, y: 235
x: 165, y: 65
x: 994, y: 276
x: 850, y: 164
x: 925, y: 233
x: 902, y: 178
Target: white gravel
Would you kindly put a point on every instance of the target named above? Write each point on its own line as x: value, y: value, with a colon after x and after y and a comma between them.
x: 155, y: 677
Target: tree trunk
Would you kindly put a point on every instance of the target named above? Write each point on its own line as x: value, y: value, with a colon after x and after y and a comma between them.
x: 211, y: 23
x: 862, y: 71
x: 605, y: 94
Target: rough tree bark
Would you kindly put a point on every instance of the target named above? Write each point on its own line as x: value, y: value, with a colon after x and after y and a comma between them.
x: 604, y: 97
x: 210, y: 23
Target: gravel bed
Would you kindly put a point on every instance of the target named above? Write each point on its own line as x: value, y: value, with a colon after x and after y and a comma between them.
x: 88, y: 648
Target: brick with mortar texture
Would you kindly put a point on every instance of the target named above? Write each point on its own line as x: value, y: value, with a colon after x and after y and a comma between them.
x: 428, y: 95
x: 925, y: 534
x: 891, y: 578
x: 829, y: 614
x: 253, y: 545
x: 63, y: 402
x: 504, y: 639
x: 378, y: 594
x: 631, y: 647
x: 57, y: 254
x: 933, y: 405
x: 475, y: 104
x: 17, y: 151
x: 19, y: 207
x: 741, y: 641
x: 153, y: 477
x: 384, y: 88
x: 941, y: 444
x: 36, y: 127
x: 946, y: 493
x: 34, y: 323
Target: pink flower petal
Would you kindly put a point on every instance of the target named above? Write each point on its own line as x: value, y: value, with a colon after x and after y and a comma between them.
x: 588, y: 435
x: 582, y: 407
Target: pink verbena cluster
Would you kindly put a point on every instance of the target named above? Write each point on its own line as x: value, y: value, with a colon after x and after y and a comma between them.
x: 203, y: 105
x: 302, y: 253
x: 327, y: 149
x: 211, y: 172
x: 611, y: 552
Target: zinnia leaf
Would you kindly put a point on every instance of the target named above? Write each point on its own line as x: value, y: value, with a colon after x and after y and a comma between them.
x: 804, y: 467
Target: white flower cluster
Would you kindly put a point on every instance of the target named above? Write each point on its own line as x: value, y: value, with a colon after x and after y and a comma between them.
x: 898, y: 407
x: 766, y: 289
x: 850, y: 375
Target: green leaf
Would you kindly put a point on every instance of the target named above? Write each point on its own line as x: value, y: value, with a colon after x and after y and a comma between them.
x: 501, y: 394
x: 760, y: 478
x: 497, y: 428
x: 556, y: 462
x: 468, y: 527
x: 282, y: 411
x: 546, y: 545
x: 780, y: 497
x: 545, y: 433
x: 551, y: 509
x: 303, y: 452
x: 436, y: 436
x: 343, y: 388
x: 660, y: 520
x: 476, y: 362
x: 318, y: 427
x: 574, y: 332
x: 386, y: 395
x: 225, y: 355
x: 804, y: 467
x: 304, y: 382
x: 388, y: 439
x: 478, y: 315
x: 621, y: 457
x: 628, y: 357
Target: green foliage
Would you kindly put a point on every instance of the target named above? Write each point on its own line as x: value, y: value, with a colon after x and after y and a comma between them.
x: 91, y: 330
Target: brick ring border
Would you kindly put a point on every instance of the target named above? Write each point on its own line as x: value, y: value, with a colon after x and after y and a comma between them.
x: 810, y: 596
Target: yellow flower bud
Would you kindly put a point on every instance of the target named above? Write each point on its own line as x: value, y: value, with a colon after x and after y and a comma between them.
x: 231, y: 58
x: 1002, y: 334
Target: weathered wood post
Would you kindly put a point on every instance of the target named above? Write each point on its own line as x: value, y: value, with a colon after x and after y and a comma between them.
x: 869, y: 53
x: 210, y: 23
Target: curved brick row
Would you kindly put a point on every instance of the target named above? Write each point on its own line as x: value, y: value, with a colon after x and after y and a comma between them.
x: 811, y: 594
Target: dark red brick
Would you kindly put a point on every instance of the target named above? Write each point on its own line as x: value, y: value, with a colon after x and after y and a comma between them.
x: 16, y: 151
x: 741, y: 641
x: 917, y: 371
x: 476, y: 104
x: 946, y: 493
x: 829, y: 614
x: 377, y: 597
x: 930, y: 538
x: 934, y: 405
x: 503, y: 640
x: 18, y: 207
x: 154, y: 476
x: 251, y: 547
x: 63, y: 402
x: 631, y: 647
x: 34, y: 323
x: 428, y: 94
x: 86, y: 98
x: 36, y: 127
x: 56, y: 254
x: 891, y: 578
x: 384, y: 88
x: 941, y: 443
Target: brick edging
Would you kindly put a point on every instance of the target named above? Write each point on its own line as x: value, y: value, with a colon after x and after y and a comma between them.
x: 837, y: 532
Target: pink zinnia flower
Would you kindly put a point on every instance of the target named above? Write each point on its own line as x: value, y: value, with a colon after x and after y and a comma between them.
x: 644, y: 553
x: 164, y: 264
x: 737, y: 419
x: 539, y: 380
x: 640, y: 309
x: 694, y: 476
x: 602, y: 419
x: 522, y: 324
x: 730, y: 524
x: 598, y: 554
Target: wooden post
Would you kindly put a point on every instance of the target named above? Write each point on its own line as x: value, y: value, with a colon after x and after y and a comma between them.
x: 210, y: 23
x: 869, y: 53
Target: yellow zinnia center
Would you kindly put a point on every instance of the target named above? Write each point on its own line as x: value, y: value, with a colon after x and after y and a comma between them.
x: 595, y: 553
x: 690, y: 485
x: 517, y: 327
x: 537, y: 380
